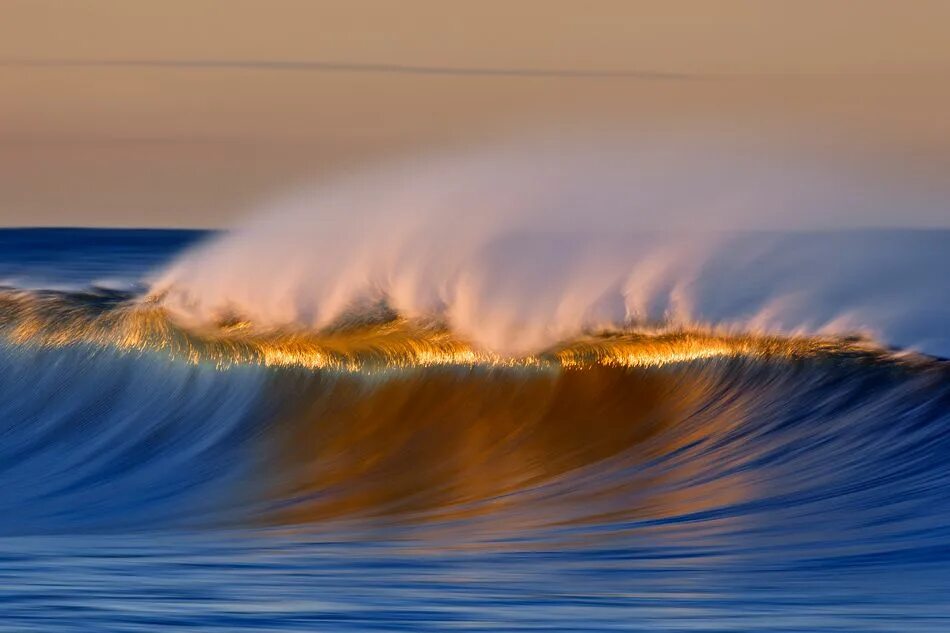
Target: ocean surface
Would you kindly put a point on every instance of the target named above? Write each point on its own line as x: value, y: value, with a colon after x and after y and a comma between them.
x: 385, y: 473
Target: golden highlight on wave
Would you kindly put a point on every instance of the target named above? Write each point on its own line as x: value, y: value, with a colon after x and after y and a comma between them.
x: 57, y: 320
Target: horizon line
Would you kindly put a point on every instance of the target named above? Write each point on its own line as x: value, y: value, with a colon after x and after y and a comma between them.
x: 435, y: 70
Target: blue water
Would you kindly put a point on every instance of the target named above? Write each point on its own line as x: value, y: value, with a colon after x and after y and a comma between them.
x: 141, y: 493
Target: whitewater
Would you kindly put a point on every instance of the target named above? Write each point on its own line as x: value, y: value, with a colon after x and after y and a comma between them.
x: 517, y: 249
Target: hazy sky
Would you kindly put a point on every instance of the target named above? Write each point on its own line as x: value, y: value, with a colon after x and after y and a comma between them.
x: 187, y: 113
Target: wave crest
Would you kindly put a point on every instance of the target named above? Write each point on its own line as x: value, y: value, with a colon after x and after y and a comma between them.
x: 125, y: 323
x: 517, y: 251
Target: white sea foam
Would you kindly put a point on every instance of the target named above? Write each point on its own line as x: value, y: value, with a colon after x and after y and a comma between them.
x: 517, y: 248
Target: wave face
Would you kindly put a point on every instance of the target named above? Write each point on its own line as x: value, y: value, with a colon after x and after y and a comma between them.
x: 163, y: 470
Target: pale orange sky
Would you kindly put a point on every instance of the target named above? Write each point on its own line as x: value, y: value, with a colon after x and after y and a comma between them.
x: 87, y: 140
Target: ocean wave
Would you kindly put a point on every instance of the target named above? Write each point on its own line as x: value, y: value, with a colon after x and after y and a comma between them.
x: 708, y: 444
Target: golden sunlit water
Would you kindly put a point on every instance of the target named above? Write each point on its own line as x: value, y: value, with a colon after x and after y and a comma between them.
x: 141, y: 326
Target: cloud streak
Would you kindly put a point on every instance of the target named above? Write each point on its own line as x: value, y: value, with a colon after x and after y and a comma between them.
x: 346, y: 67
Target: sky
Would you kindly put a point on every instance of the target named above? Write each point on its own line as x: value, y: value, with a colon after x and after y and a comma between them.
x: 189, y: 113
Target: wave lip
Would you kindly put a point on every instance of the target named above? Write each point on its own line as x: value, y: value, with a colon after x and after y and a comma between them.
x: 113, y: 320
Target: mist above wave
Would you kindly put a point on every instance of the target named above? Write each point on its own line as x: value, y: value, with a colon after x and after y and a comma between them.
x: 518, y: 248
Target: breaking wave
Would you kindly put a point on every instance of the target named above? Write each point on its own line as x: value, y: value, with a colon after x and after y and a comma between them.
x: 509, y: 351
